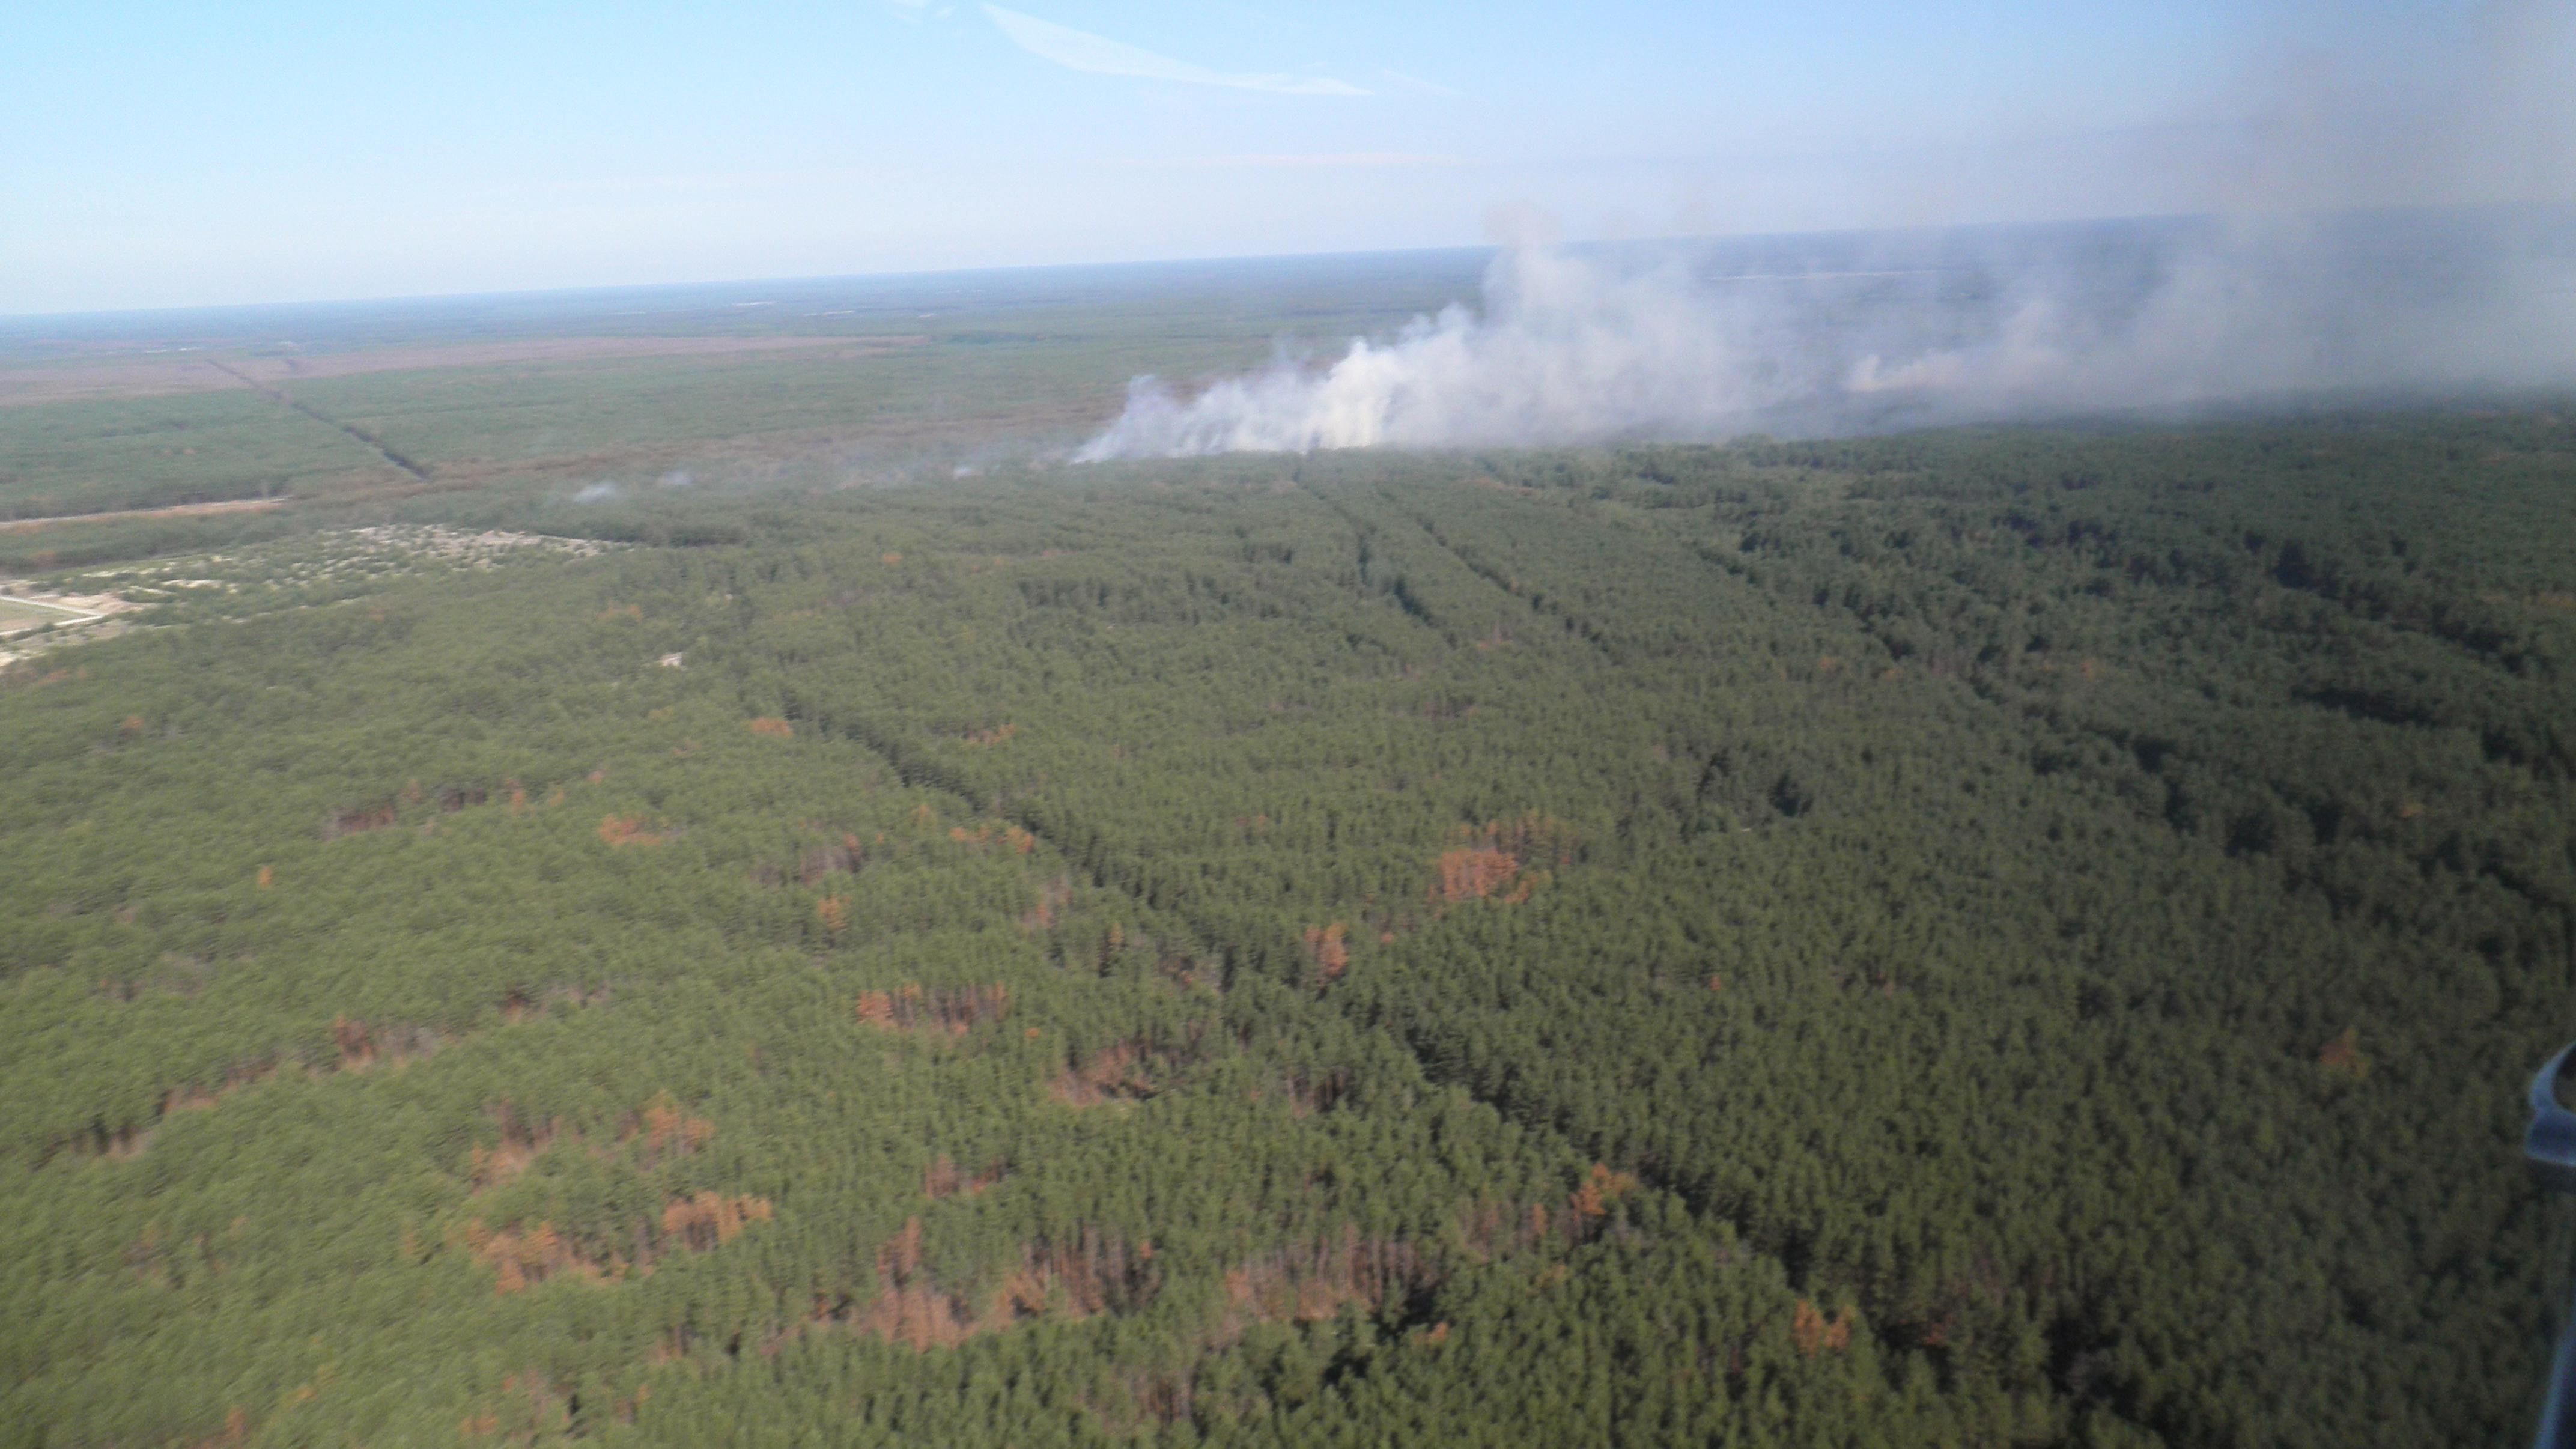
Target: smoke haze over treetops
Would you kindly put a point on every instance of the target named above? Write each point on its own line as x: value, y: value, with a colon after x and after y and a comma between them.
x: 1835, y: 334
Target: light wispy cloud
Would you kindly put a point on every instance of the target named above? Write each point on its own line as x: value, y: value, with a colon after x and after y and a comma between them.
x: 1098, y: 55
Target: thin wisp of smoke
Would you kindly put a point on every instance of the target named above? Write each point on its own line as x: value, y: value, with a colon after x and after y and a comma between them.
x: 1586, y: 347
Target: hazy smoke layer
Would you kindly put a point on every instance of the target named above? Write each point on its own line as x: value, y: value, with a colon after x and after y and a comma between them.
x: 2387, y: 304
x: 1572, y: 348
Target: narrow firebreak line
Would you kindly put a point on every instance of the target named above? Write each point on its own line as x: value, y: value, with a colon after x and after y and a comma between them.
x: 1362, y: 530
x: 1574, y: 624
x: 361, y: 434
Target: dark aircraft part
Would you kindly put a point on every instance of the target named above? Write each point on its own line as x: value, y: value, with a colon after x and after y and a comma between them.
x: 2550, y: 1146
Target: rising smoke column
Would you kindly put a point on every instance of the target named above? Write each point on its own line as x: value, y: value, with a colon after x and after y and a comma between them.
x: 1566, y: 350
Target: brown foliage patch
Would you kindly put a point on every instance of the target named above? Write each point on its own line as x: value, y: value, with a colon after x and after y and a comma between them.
x: 1813, y: 1333
x: 532, y: 1409
x: 1012, y: 837
x: 1309, y: 1094
x: 619, y: 830
x: 1115, y: 1073
x: 1599, y: 1191
x: 173, y: 1265
x: 1534, y: 839
x: 518, y: 1004
x: 1052, y: 898
x: 236, y: 1431
x: 522, y: 1256
x: 657, y: 1133
x: 1327, y: 949
x: 362, y: 1046
x: 1471, y: 873
x: 773, y: 727
x: 1314, y: 1280
x: 194, y: 1098
x: 117, y: 1146
x: 710, y: 1219
x: 2344, y: 1057
x: 1499, y: 859
x: 357, y: 822
x: 943, y: 1178
x: 838, y: 857
x: 909, y: 1308
x: 917, y: 1314
x: 1095, y: 1273
x: 664, y: 1132
x: 954, y: 1010
x: 521, y: 1145
x: 840, y: 854
x: 1488, y: 1229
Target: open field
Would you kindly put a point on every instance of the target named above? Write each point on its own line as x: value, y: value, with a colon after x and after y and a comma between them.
x: 137, y: 515
x: 817, y: 383
x: 17, y: 615
x: 151, y: 375
x: 37, y: 624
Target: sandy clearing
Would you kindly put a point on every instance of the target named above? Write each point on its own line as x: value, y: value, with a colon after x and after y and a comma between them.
x: 161, y: 376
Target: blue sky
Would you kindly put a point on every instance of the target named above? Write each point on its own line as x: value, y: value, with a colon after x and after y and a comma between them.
x: 175, y: 154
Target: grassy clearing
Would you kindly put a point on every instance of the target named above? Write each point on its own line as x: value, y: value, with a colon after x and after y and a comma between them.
x: 22, y: 614
x: 316, y: 568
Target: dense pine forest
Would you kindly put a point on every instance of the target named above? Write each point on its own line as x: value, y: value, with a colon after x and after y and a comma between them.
x: 1985, y: 937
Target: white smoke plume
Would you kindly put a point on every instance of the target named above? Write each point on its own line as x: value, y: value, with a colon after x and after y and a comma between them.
x: 1566, y: 349
x: 1575, y: 348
